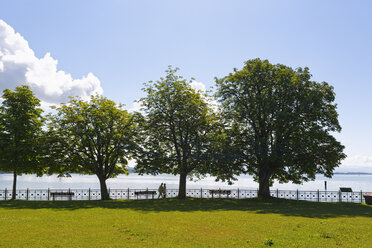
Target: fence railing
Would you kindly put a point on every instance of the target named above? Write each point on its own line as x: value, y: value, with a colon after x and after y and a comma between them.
x: 95, y: 194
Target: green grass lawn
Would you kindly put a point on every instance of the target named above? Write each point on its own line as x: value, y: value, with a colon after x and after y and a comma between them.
x: 184, y: 223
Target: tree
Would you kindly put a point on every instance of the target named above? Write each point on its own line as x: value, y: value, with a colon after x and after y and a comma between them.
x: 20, y: 131
x: 280, y: 123
x: 93, y: 137
x: 176, y: 130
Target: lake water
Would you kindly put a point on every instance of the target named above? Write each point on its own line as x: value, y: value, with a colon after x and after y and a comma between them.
x: 135, y: 181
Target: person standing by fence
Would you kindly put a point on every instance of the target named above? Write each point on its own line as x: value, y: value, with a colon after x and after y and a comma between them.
x: 160, y: 190
x: 164, y: 191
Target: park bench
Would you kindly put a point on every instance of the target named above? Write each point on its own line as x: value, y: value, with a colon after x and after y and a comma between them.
x: 62, y: 194
x: 219, y: 192
x: 145, y: 192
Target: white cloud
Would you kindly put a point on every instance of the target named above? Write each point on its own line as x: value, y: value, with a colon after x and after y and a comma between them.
x: 136, y: 106
x: 19, y: 65
x: 201, y: 87
x: 197, y: 86
x: 356, y: 163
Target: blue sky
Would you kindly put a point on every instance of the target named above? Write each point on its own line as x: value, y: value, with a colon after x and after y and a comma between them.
x: 126, y: 43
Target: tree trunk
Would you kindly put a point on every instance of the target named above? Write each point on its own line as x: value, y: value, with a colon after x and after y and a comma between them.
x: 104, y: 192
x: 182, y: 186
x: 14, y: 191
x: 264, y: 183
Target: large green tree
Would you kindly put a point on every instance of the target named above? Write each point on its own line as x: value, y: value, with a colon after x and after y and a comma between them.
x: 279, y: 124
x: 20, y: 132
x: 176, y: 130
x: 93, y: 137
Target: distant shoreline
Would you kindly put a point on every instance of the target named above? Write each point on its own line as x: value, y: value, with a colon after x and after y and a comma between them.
x: 131, y: 170
x: 352, y: 173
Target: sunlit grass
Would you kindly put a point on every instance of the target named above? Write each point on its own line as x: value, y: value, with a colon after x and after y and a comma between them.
x: 184, y: 223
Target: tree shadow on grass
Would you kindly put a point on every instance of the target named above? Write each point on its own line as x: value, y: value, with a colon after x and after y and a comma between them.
x: 268, y: 206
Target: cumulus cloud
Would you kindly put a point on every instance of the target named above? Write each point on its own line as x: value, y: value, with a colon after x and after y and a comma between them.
x: 19, y: 65
x: 136, y: 106
x: 201, y: 87
x: 197, y: 86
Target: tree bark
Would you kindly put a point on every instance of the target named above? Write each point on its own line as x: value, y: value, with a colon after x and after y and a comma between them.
x: 182, y: 186
x: 104, y: 192
x: 264, y: 183
x: 14, y: 191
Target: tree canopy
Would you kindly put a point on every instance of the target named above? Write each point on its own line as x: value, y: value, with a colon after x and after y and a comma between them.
x: 91, y: 137
x: 20, y: 132
x: 176, y: 130
x: 274, y: 123
x: 279, y: 123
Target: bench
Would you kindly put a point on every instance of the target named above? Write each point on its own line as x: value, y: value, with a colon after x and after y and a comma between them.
x: 145, y: 192
x: 219, y: 192
x: 62, y: 194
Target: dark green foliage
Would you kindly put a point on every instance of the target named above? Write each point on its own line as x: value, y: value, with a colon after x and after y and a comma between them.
x: 279, y: 124
x: 91, y: 137
x: 176, y: 131
x: 20, y: 133
x: 269, y: 242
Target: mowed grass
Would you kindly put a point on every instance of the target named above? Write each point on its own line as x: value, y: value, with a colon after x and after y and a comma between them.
x: 184, y: 223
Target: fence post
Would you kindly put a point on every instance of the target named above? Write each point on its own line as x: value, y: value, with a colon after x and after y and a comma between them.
x: 297, y: 195
x: 277, y: 193
x: 361, y: 196
x: 339, y: 196
x: 238, y: 193
x: 27, y: 194
x: 6, y: 192
x: 89, y: 194
x: 128, y: 194
x: 69, y: 194
x: 147, y: 195
x: 201, y: 192
x: 48, y: 193
x: 318, y: 195
x: 109, y: 193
